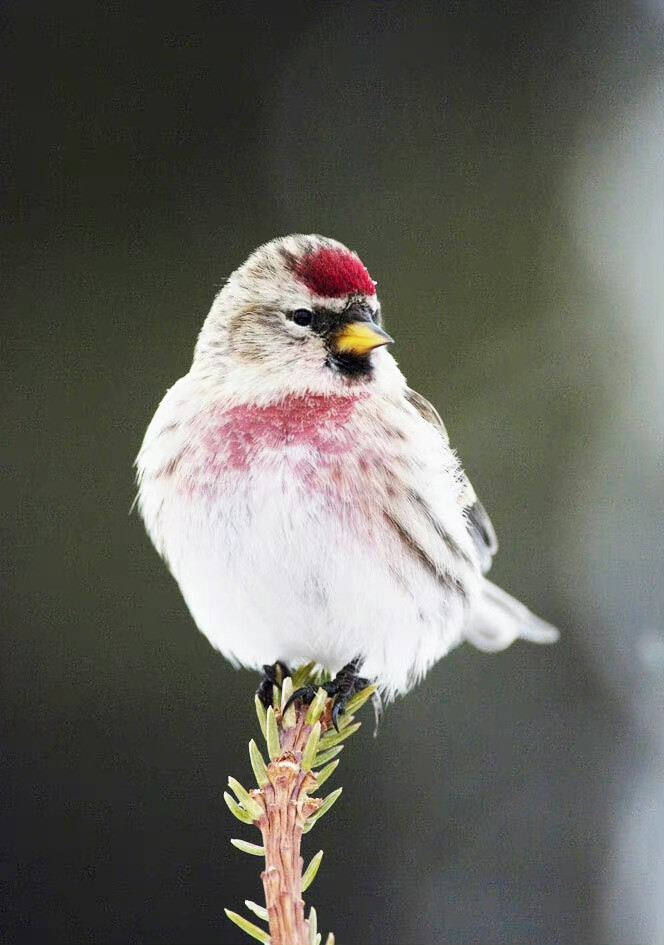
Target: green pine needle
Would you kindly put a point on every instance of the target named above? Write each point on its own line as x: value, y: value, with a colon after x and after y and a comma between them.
x: 345, y: 720
x: 289, y: 717
x: 316, y: 707
x: 286, y: 689
x: 323, y: 809
x: 331, y: 737
x: 311, y: 870
x: 236, y: 810
x: 303, y: 675
x: 310, y: 749
x: 252, y: 807
x: 358, y: 700
x: 258, y: 764
x: 260, y: 911
x: 272, y: 736
x: 325, y: 773
x: 260, y: 712
x: 324, y: 756
x: 260, y: 934
x: 254, y: 848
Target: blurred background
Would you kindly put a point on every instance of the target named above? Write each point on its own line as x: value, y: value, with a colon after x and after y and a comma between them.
x: 499, y: 169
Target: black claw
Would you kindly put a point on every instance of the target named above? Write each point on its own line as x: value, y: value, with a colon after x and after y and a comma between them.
x: 306, y: 695
x: 344, y: 685
x: 273, y: 675
x: 337, y: 710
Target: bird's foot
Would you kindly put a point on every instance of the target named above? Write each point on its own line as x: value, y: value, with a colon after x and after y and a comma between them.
x: 273, y: 675
x: 342, y: 688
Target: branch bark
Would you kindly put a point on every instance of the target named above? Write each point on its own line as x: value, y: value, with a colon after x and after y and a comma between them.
x: 282, y: 808
x: 287, y: 809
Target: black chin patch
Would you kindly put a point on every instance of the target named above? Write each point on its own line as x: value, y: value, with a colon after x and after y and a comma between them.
x: 351, y: 365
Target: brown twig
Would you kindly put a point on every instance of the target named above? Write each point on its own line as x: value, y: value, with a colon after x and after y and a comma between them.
x: 288, y: 806
x: 282, y: 807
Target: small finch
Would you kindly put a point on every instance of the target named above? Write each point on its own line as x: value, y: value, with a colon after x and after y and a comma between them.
x: 306, y: 500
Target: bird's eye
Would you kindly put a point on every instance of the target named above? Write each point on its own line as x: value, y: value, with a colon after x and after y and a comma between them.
x: 302, y: 316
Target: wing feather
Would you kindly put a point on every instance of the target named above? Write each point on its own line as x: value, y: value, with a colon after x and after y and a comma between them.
x: 479, y: 524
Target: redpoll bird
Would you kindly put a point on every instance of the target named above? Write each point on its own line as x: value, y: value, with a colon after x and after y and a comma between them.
x: 306, y: 500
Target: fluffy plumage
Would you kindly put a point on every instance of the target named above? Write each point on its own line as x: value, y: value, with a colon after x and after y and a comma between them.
x: 305, y: 499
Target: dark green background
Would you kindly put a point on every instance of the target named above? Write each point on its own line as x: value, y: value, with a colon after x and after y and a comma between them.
x: 479, y: 156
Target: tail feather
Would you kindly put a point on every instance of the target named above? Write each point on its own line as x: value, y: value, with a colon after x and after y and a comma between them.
x: 499, y: 619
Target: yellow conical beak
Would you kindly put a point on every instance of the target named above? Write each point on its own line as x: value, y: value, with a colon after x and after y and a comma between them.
x: 360, y: 337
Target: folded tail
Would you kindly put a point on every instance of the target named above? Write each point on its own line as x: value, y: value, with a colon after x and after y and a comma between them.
x: 499, y: 619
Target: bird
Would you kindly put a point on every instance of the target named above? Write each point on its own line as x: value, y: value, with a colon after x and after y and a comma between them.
x: 306, y: 500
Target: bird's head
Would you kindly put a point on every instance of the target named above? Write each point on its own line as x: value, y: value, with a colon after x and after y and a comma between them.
x: 300, y: 314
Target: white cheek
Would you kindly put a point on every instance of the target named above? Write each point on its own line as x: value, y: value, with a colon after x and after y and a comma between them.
x: 295, y: 332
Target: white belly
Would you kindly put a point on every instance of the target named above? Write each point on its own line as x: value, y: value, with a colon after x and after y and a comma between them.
x: 273, y: 571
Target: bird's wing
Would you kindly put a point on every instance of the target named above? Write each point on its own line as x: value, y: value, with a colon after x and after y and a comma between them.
x: 479, y: 524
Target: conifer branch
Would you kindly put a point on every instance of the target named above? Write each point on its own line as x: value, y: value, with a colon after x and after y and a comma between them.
x: 283, y: 806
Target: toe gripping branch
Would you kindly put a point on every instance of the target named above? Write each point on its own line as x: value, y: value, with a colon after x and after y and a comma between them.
x: 341, y: 689
x: 273, y: 675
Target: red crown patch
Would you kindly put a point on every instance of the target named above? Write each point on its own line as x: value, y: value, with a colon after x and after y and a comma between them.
x: 333, y: 273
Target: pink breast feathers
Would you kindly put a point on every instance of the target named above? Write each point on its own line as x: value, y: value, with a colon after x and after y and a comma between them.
x: 314, y: 420
x: 334, y: 273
